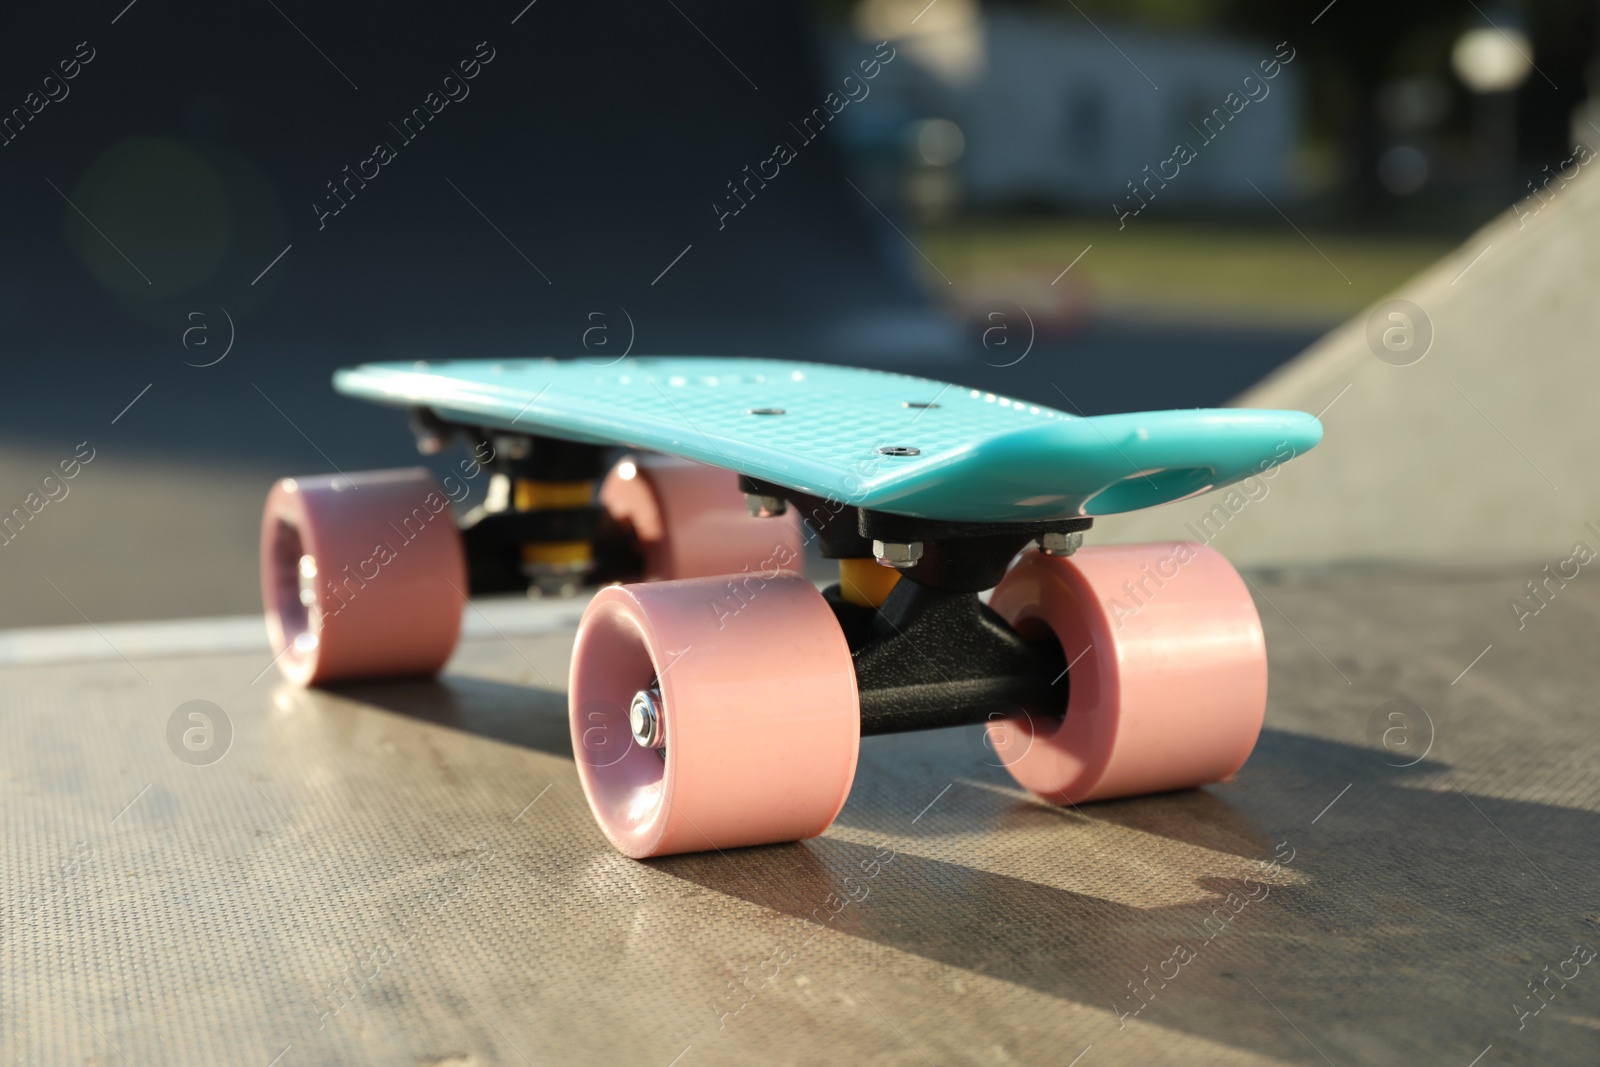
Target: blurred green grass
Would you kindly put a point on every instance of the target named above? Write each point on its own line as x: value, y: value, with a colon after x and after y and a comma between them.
x: 1198, y: 272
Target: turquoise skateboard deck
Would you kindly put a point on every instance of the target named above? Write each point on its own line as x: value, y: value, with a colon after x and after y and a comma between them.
x: 876, y: 440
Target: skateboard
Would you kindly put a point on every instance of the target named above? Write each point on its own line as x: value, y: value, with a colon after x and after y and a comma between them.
x: 717, y: 698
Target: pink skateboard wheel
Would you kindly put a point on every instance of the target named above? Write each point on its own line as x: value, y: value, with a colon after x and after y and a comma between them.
x: 362, y: 575
x: 691, y: 520
x: 1168, y: 670
x: 752, y: 694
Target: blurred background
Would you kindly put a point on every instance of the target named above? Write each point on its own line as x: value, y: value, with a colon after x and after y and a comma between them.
x: 1100, y: 206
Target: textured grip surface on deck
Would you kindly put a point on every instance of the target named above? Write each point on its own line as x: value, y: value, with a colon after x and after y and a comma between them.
x: 978, y: 456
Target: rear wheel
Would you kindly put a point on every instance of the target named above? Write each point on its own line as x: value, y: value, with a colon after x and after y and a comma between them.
x: 690, y: 520
x: 1168, y: 670
x: 362, y: 575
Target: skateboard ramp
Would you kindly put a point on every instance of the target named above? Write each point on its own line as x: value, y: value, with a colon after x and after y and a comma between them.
x: 1463, y: 431
x: 406, y: 873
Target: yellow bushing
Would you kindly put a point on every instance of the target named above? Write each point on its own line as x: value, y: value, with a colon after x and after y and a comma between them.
x: 866, y: 582
x: 558, y: 556
x: 538, y: 496
x: 562, y: 554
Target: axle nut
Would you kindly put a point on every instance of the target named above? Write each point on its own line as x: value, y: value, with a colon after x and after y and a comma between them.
x: 894, y: 554
x: 644, y: 718
x: 765, y: 507
x: 1060, y: 544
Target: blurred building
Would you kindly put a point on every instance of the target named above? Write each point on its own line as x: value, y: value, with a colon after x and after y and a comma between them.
x: 1050, y: 112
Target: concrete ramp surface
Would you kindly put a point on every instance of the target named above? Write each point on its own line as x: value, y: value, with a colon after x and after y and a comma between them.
x: 407, y: 872
x: 1464, y: 430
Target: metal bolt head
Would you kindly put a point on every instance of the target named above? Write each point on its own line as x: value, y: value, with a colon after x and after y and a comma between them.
x: 432, y: 433
x: 553, y: 587
x: 765, y: 507
x: 1060, y: 544
x: 556, y: 580
x: 511, y: 445
x: 644, y: 718
x: 899, y: 556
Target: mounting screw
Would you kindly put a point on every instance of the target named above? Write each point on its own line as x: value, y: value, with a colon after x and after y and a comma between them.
x: 765, y: 507
x: 1060, y: 544
x: 644, y: 718
x: 898, y: 450
x: 901, y: 557
x: 766, y: 411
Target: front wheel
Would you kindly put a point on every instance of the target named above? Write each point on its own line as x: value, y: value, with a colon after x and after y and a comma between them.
x: 712, y: 714
x: 1168, y: 670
